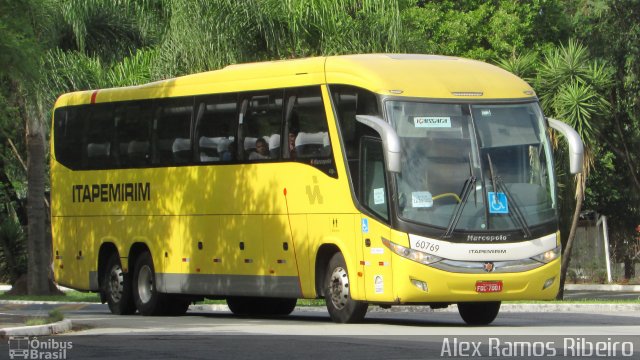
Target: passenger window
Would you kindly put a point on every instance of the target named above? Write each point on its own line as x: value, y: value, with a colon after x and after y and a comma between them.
x: 307, y: 138
x: 68, y: 129
x: 373, y: 189
x: 98, y: 139
x: 261, y: 126
x: 349, y: 101
x: 216, y: 118
x: 133, y: 129
x: 172, y: 131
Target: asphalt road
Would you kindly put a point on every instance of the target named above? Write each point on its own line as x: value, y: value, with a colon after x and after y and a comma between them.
x: 213, y: 333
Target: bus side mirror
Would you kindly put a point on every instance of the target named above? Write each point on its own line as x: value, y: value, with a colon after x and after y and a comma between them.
x: 576, y: 150
x: 390, y: 140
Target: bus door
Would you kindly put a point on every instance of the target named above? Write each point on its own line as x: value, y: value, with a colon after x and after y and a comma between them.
x: 373, y: 195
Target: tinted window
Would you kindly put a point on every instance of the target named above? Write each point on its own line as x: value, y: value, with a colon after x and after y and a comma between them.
x: 133, y: 133
x: 349, y: 101
x: 68, y: 129
x: 307, y: 137
x: 172, y: 132
x: 262, y: 125
x: 98, y: 139
x: 217, y: 119
x: 373, y: 189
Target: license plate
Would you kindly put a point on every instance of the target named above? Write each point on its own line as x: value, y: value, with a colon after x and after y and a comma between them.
x: 488, y: 286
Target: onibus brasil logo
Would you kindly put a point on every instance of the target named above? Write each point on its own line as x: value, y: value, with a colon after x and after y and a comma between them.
x: 24, y: 347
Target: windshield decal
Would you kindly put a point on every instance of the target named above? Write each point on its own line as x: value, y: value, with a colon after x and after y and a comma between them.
x: 432, y: 122
x: 378, y: 196
x: 498, y: 203
x: 421, y: 199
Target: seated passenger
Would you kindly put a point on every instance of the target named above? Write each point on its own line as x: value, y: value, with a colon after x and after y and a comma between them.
x: 293, y: 133
x: 262, y: 150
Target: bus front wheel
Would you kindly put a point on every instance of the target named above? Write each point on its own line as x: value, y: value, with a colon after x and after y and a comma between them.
x: 116, y: 288
x: 337, y: 293
x: 479, y: 313
x: 145, y: 293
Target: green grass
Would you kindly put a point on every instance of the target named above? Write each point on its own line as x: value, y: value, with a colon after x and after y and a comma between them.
x: 54, y: 316
x: 69, y: 296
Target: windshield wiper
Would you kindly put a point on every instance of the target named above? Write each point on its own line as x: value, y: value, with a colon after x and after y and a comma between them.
x: 469, y: 184
x: 516, y: 215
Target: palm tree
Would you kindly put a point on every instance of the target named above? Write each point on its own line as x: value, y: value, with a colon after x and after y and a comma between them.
x: 49, y: 47
x: 21, y: 49
x: 207, y: 35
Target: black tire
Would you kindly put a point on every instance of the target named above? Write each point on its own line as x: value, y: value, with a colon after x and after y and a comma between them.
x: 479, y: 313
x: 116, y: 288
x: 281, y: 306
x: 259, y: 306
x: 148, y: 300
x: 176, y: 305
x: 342, y: 308
x: 241, y: 305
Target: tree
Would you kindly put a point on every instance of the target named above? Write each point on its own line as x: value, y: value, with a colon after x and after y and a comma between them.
x: 33, y: 35
x: 572, y: 88
x: 20, y: 54
x: 483, y: 30
x: 611, y: 30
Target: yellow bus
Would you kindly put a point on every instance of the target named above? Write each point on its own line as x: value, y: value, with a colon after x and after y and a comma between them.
x: 383, y: 179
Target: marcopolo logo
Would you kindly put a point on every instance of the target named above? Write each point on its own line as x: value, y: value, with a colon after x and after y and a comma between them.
x: 23, y: 347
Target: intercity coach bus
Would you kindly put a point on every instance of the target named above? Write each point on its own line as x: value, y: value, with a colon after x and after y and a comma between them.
x: 383, y: 179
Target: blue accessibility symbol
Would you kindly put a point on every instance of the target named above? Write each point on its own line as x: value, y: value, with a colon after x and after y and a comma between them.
x: 365, y: 225
x: 498, y: 203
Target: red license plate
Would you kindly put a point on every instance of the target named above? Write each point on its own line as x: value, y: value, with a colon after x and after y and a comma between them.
x: 488, y: 286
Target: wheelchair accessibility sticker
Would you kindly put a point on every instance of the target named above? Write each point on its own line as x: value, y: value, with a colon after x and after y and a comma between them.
x: 365, y: 225
x: 498, y: 203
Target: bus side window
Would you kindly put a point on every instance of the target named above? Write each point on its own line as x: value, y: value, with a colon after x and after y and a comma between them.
x: 172, y: 132
x: 307, y: 135
x: 68, y: 128
x: 133, y: 134
x: 98, y: 138
x: 216, y: 121
x: 372, y: 175
x: 262, y: 120
x: 349, y: 101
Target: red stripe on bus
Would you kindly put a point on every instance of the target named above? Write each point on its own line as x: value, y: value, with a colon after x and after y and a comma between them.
x: 93, y: 97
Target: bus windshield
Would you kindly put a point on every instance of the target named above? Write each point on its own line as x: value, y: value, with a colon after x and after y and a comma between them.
x: 473, y: 167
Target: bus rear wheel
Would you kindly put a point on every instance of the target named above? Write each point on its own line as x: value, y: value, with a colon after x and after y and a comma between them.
x: 281, y: 306
x: 257, y: 306
x: 342, y: 308
x: 479, y: 313
x: 145, y: 293
x: 116, y: 288
x: 176, y: 305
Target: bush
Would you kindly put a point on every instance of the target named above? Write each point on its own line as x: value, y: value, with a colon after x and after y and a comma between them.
x: 13, y: 251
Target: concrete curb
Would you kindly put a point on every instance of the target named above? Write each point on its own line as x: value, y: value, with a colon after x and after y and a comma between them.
x: 535, y: 308
x: 8, y: 287
x: 37, y: 330
x: 602, y: 287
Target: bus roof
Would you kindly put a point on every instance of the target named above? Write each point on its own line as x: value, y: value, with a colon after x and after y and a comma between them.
x: 409, y: 75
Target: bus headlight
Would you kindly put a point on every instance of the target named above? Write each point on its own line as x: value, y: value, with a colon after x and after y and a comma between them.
x: 548, y: 256
x: 415, y: 255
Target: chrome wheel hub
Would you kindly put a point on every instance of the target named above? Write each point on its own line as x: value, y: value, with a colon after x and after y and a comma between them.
x: 339, y: 288
x: 145, y: 284
x: 116, y: 283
